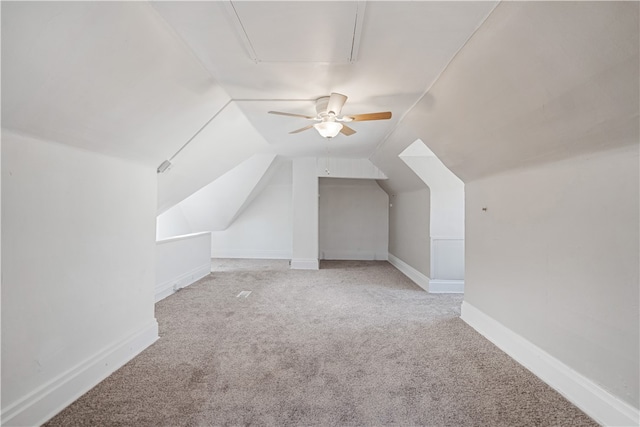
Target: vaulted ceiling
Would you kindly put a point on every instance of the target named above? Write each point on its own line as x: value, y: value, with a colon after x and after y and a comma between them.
x: 283, y: 55
x: 487, y: 86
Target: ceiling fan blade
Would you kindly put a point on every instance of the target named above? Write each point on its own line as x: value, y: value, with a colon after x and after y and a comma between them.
x: 370, y: 116
x: 280, y: 113
x: 336, y: 102
x: 346, y: 130
x: 301, y: 129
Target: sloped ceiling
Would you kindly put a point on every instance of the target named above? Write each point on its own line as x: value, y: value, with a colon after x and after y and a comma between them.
x: 486, y: 87
x: 224, y: 143
x: 215, y: 206
x: 539, y: 81
x: 108, y: 77
x: 386, y: 157
x: 138, y: 80
x: 402, y: 48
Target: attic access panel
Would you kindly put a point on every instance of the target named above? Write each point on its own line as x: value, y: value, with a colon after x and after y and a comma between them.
x: 289, y: 31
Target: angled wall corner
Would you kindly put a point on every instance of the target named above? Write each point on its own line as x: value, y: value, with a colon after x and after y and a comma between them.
x: 262, y: 228
x: 305, y: 214
x: 216, y: 206
x: 409, y: 208
x: 446, y: 217
x: 447, y: 190
x: 224, y: 143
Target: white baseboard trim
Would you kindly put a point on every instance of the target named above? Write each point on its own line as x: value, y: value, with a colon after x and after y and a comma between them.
x: 170, y: 286
x: 47, y: 400
x: 438, y: 286
x: 354, y: 255
x: 250, y: 254
x: 596, y: 402
x: 413, y: 274
x: 305, y: 264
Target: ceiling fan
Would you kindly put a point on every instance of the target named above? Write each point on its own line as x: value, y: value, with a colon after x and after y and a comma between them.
x: 328, y: 118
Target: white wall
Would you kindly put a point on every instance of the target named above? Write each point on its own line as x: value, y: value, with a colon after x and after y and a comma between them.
x: 78, y: 248
x: 354, y: 219
x: 264, y: 228
x: 305, y: 214
x: 447, y: 190
x: 337, y: 167
x: 226, y: 142
x: 554, y: 258
x: 174, y: 222
x: 181, y: 261
x: 215, y: 206
x: 446, y: 216
x: 409, y: 229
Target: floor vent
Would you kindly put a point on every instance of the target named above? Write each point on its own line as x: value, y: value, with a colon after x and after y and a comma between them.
x: 243, y: 294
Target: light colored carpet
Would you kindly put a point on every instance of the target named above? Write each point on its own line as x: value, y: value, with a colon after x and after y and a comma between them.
x: 353, y: 344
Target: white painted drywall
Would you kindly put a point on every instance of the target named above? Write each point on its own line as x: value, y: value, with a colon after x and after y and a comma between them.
x: 447, y: 258
x: 109, y: 77
x: 447, y: 190
x: 264, y: 228
x: 409, y: 229
x: 78, y: 247
x: 181, y: 261
x: 261, y: 229
x: 227, y: 141
x: 336, y: 167
x: 173, y: 222
x: 447, y: 211
x: 409, y: 207
x: 386, y: 157
x: 215, y: 206
x: 538, y: 82
x: 354, y: 219
x: 305, y: 214
x: 405, y: 46
x: 554, y: 258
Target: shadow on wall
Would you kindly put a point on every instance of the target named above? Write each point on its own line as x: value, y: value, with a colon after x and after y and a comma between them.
x: 446, y: 214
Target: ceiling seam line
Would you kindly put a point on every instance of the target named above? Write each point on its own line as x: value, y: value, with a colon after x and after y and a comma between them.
x: 253, y: 50
x: 202, y: 128
x: 353, y: 37
x: 455, y: 55
x: 184, y: 44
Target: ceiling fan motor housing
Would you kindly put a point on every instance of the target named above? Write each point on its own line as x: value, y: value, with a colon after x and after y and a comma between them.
x: 328, y: 120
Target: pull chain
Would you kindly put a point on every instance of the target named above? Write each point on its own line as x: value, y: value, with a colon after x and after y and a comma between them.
x: 326, y: 160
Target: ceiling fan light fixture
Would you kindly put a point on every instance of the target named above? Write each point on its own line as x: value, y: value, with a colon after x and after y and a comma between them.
x: 329, y: 119
x: 328, y: 129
